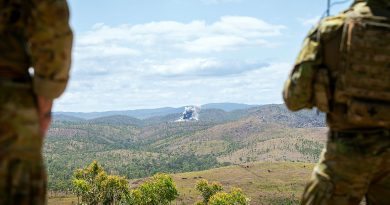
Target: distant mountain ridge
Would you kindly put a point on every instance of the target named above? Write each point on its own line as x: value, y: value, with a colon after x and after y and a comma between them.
x: 140, y: 114
x: 117, y: 120
x: 148, y: 113
x: 228, y: 107
x: 210, y: 113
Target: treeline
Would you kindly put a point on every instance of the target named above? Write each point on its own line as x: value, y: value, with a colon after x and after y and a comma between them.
x: 93, y: 186
x: 172, y: 164
x: 60, y: 171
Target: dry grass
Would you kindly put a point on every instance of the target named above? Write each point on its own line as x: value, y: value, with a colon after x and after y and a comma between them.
x: 264, y: 183
x: 62, y: 200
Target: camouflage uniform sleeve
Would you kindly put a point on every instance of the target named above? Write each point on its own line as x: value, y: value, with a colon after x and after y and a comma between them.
x: 50, y: 42
x: 308, y: 84
x: 298, y: 89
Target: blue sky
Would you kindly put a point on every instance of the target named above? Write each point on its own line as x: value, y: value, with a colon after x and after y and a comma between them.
x: 131, y: 54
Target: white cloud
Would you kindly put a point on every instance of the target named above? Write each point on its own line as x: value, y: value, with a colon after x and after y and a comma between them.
x: 216, y: 44
x: 248, y: 27
x: 229, y: 33
x: 170, y: 63
x: 104, y: 51
x: 185, y: 66
x: 202, y: 67
x: 122, y: 91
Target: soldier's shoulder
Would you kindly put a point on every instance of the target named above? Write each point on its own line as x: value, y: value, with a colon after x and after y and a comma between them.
x: 330, y: 26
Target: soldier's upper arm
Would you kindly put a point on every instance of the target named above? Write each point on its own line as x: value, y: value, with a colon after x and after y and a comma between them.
x: 298, y: 89
x: 50, y: 43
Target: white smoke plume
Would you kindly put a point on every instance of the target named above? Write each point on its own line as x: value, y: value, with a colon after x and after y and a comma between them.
x: 191, y: 113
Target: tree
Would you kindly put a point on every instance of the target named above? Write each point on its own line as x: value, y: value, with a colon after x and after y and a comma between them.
x: 212, y: 194
x: 81, y: 188
x: 114, y: 188
x: 236, y: 197
x: 86, y: 185
x: 207, y: 190
x: 94, y: 186
x: 160, y: 190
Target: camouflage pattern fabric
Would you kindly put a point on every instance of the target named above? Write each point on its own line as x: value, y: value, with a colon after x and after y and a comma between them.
x: 33, y: 33
x: 307, y: 77
x: 363, y: 83
x: 320, y: 79
x: 36, y: 33
x: 22, y: 173
x: 384, y: 3
x: 298, y: 91
x: 356, y: 161
x: 352, y: 166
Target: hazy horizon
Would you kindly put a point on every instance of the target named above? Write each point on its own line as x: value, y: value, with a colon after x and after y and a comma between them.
x: 152, y: 108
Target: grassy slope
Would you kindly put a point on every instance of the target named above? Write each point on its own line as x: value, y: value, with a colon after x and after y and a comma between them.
x: 264, y: 183
x: 249, y: 140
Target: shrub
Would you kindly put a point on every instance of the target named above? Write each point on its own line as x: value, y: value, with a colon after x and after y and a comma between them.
x: 207, y: 190
x: 94, y: 186
x: 212, y: 194
x: 160, y: 190
x: 235, y: 197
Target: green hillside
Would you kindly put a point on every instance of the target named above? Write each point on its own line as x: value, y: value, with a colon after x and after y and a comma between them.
x: 138, y: 148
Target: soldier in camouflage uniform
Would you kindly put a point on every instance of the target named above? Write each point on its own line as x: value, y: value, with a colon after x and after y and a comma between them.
x: 36, y: 34
x: 344, y: 70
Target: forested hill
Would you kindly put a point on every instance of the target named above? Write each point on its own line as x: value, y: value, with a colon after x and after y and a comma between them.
x: 141, y: 146
x: 213, y: 113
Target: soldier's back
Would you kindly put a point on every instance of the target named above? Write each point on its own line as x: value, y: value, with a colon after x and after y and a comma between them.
x: 356, y: 51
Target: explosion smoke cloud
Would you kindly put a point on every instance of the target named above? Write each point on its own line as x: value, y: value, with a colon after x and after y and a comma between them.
x: 190, y: 113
